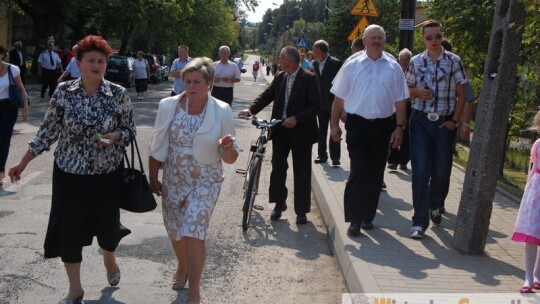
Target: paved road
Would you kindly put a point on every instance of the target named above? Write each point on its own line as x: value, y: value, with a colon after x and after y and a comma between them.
x: 270, y: 263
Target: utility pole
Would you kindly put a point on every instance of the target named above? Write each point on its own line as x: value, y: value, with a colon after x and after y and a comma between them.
x: 498, y: 89
x: 406, y: 36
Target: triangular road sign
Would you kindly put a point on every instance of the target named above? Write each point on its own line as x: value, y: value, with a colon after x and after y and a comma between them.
x: 365, y: 8
x: 358, y: 30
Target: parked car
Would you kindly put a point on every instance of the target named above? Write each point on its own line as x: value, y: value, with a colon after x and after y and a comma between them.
x: 120, y: 70
x: 155, y: 68
x: 240, y: 66
x: 164, y: 67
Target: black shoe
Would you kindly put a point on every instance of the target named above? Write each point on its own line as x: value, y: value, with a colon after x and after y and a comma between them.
x: 435, y: 215
x: 336, y: 163
x: 383, y: 186
x: 301, y: 219
x: 442, y: 210
x: 320, y: 160
x: 276, y: 213
x: 367, y: 225
x: 354, y: 229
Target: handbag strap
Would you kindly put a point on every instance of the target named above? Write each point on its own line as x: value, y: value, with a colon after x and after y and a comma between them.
x: 134, y: 146
x: 11, y: 82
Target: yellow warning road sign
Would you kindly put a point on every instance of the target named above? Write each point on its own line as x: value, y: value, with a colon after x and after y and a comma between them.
x: 365, y: 8
x: 358, y: 30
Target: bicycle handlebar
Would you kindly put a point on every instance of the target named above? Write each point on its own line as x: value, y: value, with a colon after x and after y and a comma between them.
x: 262, y: 123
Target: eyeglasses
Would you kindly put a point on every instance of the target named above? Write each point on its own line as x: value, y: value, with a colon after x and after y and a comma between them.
x: 431, y: 37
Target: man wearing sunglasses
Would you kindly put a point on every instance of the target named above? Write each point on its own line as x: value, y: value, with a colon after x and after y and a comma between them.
x: 436, y: 81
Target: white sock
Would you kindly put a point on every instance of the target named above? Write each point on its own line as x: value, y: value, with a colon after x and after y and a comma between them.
x: 537, y: 266
x: 530, y: 259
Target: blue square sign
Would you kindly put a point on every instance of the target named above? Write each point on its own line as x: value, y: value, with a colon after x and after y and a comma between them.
x: 302, y: 42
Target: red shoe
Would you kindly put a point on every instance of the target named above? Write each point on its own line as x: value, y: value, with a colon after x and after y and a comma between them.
x: 526, y: 289
x: 536, y: 285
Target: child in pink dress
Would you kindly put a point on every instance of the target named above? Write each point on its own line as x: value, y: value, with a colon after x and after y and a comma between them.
x: 528, y: 220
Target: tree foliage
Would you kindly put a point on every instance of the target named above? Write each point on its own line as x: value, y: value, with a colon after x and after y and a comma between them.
x: 150, y: 25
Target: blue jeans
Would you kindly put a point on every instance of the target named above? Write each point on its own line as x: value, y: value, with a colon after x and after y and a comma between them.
x: 431, y: 154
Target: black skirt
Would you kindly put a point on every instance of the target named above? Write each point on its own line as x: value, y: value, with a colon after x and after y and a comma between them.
x: 141, y: 85
x: 83, y: 206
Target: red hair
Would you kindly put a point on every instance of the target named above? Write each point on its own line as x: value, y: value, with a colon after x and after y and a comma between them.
x: 93, y: 43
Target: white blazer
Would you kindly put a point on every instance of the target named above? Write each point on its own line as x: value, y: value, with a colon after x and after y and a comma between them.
x: 217, y: 123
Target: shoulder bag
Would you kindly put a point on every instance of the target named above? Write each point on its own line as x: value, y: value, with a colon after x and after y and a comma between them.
x: 136, y: 195
x: 15, y: 98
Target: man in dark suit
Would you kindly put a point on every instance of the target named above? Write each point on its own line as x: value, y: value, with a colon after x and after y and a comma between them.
x: 326, y: 67
x: 295, y: 93
x: 16, y: 57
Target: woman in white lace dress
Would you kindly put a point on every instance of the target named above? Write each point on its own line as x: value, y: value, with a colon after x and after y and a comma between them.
x: 193, y: 134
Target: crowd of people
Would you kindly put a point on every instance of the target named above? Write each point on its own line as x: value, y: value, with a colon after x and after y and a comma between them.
x: 394, y: 111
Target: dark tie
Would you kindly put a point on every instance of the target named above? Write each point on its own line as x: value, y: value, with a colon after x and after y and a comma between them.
x: 52, y: 61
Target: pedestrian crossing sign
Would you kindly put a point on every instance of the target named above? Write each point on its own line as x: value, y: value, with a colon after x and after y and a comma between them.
x: 358, y: 30
x: 302, y: 42
x: 365, y: 8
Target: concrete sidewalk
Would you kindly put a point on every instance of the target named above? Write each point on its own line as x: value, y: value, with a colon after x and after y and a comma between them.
x: 387, y: 260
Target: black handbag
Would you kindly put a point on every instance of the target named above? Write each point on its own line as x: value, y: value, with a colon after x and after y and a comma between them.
x: 15, y: 98
x: 136, y: 195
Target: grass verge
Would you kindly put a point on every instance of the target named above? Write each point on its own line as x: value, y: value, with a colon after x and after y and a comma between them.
x: 512, y: 181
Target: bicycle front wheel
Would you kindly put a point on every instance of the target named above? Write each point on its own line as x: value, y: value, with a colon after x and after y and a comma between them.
x: 251, y: 191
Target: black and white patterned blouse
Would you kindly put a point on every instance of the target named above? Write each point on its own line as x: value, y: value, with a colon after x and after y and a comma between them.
x: 74, y: 119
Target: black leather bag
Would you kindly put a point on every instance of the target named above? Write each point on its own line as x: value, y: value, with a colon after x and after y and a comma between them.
x: 136, y: 195
x: 15, y: 98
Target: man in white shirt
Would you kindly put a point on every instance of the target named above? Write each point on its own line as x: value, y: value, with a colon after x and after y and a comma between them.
x: 48, y: 63
x: 226, y: 75
x: 72, y: 69
x: 370, y: 88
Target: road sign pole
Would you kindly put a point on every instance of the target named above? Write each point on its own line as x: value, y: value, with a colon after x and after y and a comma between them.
x: 406, y: 37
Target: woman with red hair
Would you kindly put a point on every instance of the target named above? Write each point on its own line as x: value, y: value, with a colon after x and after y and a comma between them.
x: 91, y: 119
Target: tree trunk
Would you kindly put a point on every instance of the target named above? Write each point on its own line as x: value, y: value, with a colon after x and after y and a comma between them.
x: 472, y: 224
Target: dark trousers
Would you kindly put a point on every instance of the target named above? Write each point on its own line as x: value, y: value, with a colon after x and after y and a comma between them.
x: 367, y: 143
x: 23, y: 76
x: 49, y: 80
x: 8, y: 117
x: 334, y: 147
x: 401, y: 155
x: 282, y: 144
x: 223, y: 94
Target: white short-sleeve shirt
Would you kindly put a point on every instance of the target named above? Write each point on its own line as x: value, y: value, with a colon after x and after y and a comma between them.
x: 370, y: 88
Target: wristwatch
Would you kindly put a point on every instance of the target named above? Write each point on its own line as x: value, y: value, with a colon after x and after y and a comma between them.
x: 401, y: 126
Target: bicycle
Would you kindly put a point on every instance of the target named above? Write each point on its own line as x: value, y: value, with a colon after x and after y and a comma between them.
x: 253, y: 168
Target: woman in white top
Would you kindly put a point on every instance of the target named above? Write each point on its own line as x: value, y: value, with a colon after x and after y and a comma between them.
x: 8, y: 113
x: 141, y: 69
x: 193, y: 134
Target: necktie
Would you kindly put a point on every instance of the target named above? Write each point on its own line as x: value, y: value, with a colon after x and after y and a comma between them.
x: 52, y: 61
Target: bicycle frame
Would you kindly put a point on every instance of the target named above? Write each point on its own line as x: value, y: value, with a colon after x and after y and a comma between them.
x: 252, y: 171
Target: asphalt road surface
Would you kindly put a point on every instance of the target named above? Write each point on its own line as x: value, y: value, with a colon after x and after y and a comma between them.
x: 272, y: 262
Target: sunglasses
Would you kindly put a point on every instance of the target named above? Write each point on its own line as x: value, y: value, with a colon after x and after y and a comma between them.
x: 431, y: 37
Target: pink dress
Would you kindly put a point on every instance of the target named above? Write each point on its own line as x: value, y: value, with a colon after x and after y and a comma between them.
x: 190, y: 189
x: 528, y: 219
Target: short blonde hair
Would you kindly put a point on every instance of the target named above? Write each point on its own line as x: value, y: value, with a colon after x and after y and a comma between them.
x: 203, y: 65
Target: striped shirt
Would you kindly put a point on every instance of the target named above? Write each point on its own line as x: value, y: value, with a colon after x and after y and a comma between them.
x: 440, y: 76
